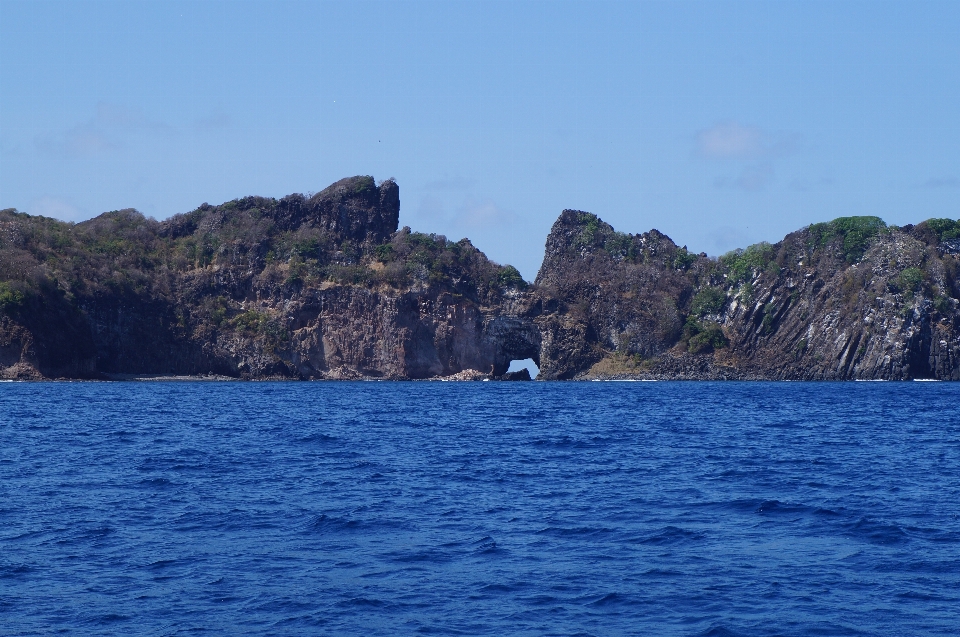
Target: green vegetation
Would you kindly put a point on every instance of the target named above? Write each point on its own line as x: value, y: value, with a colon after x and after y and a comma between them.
x: 742, y: 265
x: 10, y: 297
x: 709, y: 300
x: 767, y: 322
x: 746, y: 293
x: 216, y: 309
x: 943, y: 304
x: 431, y: 259
x: 384, y: 253
x: 945, y: 229
x: 910, y: 280
x: 683, y: 259
x: 364, y: 184
x: 702, y: 337
x: 348, y: 274
x: 307, y: 247
x: 251, y: 321
x: 254, y: 322
x: 297, y: 270
x: 509, y: 276
x: 590, y: 230
x: 597, y: 234
x: 853, y: 233
x: 619, y: 245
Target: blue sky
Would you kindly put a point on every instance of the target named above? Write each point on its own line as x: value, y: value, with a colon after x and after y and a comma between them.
x: 718, y: 123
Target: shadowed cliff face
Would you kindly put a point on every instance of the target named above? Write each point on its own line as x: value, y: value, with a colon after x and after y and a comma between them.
x: 851, y: 299
x: 324, y: 286
x: 327, y: 286
x: 603, y: 292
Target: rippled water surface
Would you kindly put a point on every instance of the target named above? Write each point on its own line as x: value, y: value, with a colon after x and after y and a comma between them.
x: 480, y: 508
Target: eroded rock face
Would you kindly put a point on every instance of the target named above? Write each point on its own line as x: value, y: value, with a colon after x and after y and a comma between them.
x: 828, y: 302
x: 324, y: 286
x: 603, y: 292
x: 821, y: 317
x: 327, y: 287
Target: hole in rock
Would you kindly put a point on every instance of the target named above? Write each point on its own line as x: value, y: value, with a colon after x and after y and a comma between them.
x: 517, y: 365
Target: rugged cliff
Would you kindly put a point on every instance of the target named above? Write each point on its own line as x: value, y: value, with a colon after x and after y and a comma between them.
x: 302, y: 287
x: 849, y: 299
x: 327, y: 286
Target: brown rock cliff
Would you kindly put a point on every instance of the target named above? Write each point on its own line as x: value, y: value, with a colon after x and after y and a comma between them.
x: 327, y: 286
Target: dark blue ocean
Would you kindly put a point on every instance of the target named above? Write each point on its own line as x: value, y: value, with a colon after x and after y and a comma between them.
x: 334, y: 508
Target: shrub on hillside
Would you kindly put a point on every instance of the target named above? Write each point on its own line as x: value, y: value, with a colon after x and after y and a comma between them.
x: 709, y: 300
x: 743, y: 264
x: 703, y: 337
x: 853, y: 233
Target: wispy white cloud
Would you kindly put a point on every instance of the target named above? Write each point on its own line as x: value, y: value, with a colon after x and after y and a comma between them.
x: 117, y: 116
x: 733, y: 140
x: 730, y: 140
x: 471, y: 216
x: 105, y: 132
x: 9, y: 149
x: 748, y: 152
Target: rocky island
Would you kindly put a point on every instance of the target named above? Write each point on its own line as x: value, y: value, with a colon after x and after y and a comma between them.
x: 329, y: 287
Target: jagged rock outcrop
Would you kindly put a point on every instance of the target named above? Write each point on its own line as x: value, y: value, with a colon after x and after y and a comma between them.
x: 892, y: 314
x: 327, y: 287
x: 602, y: 291
x: 324, y: 286
x: 851, y: 299
x: 353, y: 209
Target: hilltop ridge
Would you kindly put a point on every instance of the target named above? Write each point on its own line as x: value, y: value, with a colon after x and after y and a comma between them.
x: 328, y: 286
